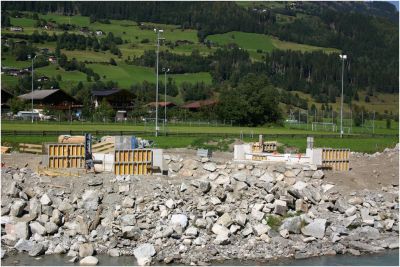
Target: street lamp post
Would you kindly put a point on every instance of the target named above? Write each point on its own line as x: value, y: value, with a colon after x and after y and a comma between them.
x: 157, y: 52
x: 165, y: 96
x: 342, y: 57
x: 33, y: 58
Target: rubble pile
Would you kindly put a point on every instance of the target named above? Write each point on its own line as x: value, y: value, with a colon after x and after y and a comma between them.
x: 203, y: 211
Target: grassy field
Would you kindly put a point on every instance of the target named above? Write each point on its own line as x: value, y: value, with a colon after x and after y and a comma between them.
x: 247, y: 131
x: 366, y: 145
x: 381, y: 102
x: 253, y: 42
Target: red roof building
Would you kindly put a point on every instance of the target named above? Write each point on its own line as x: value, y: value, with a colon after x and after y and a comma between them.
x: 194, y: 106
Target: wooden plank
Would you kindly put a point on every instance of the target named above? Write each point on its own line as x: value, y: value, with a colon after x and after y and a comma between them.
x: 5, y: 149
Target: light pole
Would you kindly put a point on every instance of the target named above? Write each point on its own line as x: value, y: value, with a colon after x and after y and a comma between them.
x: 342, y: 57
x: 33, y: 58
x: 165, y: 96
x: 157, y: 52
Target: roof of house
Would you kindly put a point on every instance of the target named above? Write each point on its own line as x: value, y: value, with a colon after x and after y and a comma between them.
x: 161, y: 104
x: 105, y: 92
x: 199, y: 104
x: 39, y: 94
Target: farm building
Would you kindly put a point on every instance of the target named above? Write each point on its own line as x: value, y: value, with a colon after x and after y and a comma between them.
x: 197, y: 105
x: 161, y: 104
x: 52, y: 99
x: 117, y: 98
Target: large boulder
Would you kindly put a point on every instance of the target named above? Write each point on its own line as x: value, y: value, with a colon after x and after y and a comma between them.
x: 315, y: 228
x: 24, y: 245
x: 37, y: 250
x: 280, y: 207
x: 45, y: 200
x: 90, y: 200
x: 143, y: 254
x: 86, y: 250
x: 18, y: 230
x: 89, y: 261
x: 37, y: 228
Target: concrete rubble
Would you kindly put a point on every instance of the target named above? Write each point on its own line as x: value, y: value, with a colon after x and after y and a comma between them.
x: 205, y: 210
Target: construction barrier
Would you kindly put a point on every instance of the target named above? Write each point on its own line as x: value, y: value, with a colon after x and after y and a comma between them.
x: 133, y: 161
x: 103, y: 147
x: 336, y: 159
x: 269, y: 146
x: 66, y: 156
x: 31, y: 148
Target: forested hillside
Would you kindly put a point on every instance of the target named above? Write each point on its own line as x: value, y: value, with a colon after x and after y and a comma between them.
x: 209, y: 47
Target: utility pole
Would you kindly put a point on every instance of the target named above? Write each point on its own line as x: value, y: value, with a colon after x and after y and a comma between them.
x: 157, y: 52
x: 165, y: 96
x: 33, y: 59
x: 343, y: 57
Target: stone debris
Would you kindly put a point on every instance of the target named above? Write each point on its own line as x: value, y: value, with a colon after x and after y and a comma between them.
x: 204, y: 210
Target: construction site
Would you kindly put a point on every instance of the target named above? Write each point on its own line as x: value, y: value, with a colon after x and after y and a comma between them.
x: 119, y: 195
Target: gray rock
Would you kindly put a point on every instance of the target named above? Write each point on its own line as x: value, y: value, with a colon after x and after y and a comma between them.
x: 341, y: 205
x: 240, y: 176
x: 114, y: 252
x: 350, y: 211
x: 45, y: 200
x: 364, y: 246
x: 180, y: 219
x: 170, y: 203
x: 143, y: 254
x: 13, y: 189
x: 355, y: 201
x: 268, y: 177
x: 292, y: 224
x: 240, y: 219
x: 220, y: 230
x: 37, y: 250
x: 204, y: 186
x: 183, y: 187
x: 210, y: 166
x: 18, y: 230
x: 3, y: 253
x: 191, y: 231
x: 89, y: 261
x: 301, y: 205
x: 34, y: 207
x: 128, y: 202
x: 280, y: 207
x: 56, y: 217
x: 201, y: 223
x: 366, y: 218
x: 222, y: 239
x: 51, y: 227
x: 260, y: 229
x: 315, y: 228
x: 65, y: 206
x: 90, y: 200
x: 131, y: 232
x: 225, y: 220
x: 248, y: 230
x: 17, y: 208
x: 86, y: 250
x: 241, y: 186
x: 318, y: 174
x: 37, y: 228
x: 258, y: 215
x: 128, y: 219
x: 175, y: 167
x: 24, y: 245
